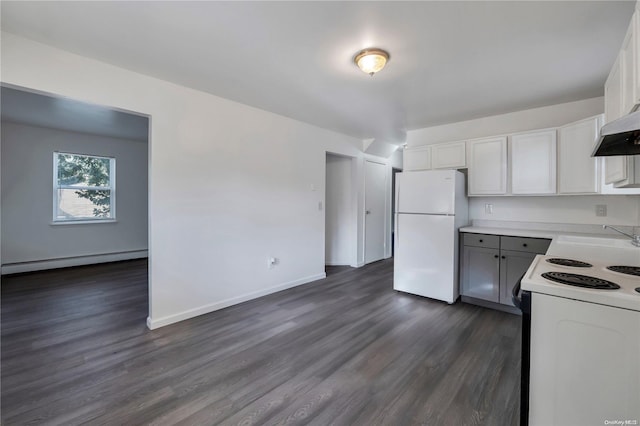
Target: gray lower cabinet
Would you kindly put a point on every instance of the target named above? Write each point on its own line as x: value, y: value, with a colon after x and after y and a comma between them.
x: 513, y: 264
x: 481, y: 273
x: 491, y: 266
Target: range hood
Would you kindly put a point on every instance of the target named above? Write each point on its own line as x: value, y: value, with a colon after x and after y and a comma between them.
x: 620, y: 137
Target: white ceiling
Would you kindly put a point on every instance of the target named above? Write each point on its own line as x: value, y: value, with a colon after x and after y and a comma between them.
x: 67, y: 114
x: 450, y: 61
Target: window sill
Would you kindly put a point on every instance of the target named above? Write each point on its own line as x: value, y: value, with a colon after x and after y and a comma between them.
x: 81, y: 222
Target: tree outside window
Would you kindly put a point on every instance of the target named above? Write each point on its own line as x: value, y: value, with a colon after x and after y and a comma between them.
x: 84, y: 187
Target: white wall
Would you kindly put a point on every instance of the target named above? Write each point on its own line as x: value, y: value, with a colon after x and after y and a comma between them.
x: 338, y: 214
x: 27, y: 179
x: 621, y: 209
x: 230, y: 185
x: 531, y: 119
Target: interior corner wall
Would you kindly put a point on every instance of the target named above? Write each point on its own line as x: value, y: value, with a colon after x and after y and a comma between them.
x: 229, y: 185
x: 338, y: 211
x: 29, y: 240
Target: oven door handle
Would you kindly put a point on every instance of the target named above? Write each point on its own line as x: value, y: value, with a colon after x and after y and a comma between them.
x: 517, y: 301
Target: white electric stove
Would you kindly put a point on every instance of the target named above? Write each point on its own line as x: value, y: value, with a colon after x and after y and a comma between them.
x: 581, y: 365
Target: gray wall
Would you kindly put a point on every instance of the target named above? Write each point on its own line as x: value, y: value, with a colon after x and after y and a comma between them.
x: 27, y: 185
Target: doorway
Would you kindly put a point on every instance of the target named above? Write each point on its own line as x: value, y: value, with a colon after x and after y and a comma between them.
x: 74, y: 187
x: 375, y: 218
x: 393, y: 208
x: 339, y: 215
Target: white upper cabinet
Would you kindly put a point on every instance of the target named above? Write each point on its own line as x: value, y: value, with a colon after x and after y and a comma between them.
x: 448, y: 156
x: 615, y: 168
x: 533, y: 163
x: 417, y: 158
x: 578, y: 171
x: 628, y: 71
x: 487, y: 163
x: 635, y: 23
x: 613, y: 93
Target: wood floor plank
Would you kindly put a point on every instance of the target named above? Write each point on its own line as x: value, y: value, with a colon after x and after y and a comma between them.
x: 346, y: 350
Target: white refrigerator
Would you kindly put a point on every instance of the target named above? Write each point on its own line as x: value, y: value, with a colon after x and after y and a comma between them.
x: 431, y: 206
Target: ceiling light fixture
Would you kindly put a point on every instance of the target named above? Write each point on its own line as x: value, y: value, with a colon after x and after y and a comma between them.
x: 371, y: 60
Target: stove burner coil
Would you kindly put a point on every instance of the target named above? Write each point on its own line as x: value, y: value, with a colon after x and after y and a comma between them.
x: 569, y: 262
x: 629, y: 270
x: 580, y: 281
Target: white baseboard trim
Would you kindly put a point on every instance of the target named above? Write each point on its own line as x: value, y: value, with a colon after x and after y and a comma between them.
x: 358, y: 265
x: 337, y: 263
x: 39, y: 265
x: 181, y: 316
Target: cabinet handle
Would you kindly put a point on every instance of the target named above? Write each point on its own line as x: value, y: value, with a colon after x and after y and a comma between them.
x: 480, y: 240
x: 496, y: 256
x: 504, y: 257
x: 524, y: 245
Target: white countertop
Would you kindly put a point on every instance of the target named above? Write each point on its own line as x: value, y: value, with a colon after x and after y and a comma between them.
x: 603, y: 247
x: 512, y: 232
x: 587, y: 243
x: 529, y: 233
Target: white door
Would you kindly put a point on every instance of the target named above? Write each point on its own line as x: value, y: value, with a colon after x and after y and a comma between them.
x: 615, y: 168
x: 375, y: 185
x: 449, y: 156
x: 417, y: 158
x: 425, y: 260
x: 487, y: 162
x: 578, y: 171
x: 533, y: 163
x: 431, y: 191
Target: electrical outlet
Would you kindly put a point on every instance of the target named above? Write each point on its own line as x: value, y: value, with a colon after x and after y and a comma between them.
x: 271, y: 262
x: 601, y: 210
x: 488, y: 208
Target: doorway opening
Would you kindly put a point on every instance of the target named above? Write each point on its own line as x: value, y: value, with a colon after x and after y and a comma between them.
x: 394, y: 170
x: 74, y: 196
x: 339, y: 214
x: 376, y: 214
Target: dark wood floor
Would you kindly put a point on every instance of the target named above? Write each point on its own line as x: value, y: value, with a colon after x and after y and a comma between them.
x: 347, y: 350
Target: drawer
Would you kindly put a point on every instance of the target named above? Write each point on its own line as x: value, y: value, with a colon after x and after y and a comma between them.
x: 481, y: 240
x: 530, y: 245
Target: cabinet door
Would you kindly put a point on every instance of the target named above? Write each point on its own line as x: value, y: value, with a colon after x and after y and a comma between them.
x: 448, y: 156
x: 628, y: 69
x: 635, y: 21
x: 417, y: 158
x: 615, y: 168
x: 613, y: 94
x: 513, y: 264
x: 480, y: 273
x: 487, y: 162
x: 533, y: 163
x: 578, y: 171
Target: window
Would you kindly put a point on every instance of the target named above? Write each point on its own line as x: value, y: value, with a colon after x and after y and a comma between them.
x: 83, y: 187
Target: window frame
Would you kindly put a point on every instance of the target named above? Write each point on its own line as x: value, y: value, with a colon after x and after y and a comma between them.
x: 111, y: 187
